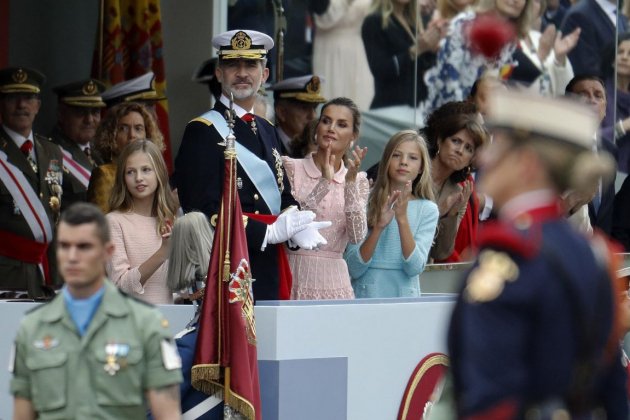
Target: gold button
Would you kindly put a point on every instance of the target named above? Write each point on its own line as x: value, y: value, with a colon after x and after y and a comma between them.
x: 256, y: 212
x: 256, y: 197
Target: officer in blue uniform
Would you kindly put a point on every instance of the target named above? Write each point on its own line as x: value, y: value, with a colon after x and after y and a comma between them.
x: 531, y: 333
x: 261, y: 181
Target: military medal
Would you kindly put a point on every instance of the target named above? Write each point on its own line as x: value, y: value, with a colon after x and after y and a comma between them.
x: 279, y: 172
x: 114, y: 352
x: 53, y: 179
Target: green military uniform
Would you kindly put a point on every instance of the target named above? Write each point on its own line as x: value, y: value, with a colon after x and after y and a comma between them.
x: 20, y: 250
x: 81, y: 95
x: 126, y: 350
x: 16, y: 274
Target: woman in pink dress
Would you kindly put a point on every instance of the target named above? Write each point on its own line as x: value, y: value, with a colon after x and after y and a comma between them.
x: 336, y: 191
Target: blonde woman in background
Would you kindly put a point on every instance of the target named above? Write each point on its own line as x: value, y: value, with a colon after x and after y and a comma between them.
x: 123, y: 124
x: 338, y: 53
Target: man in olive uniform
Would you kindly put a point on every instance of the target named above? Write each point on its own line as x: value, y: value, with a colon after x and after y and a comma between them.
x: 93, y: 351
x: 78, y: 116
x: 295, y: 101
x: 31, y: 178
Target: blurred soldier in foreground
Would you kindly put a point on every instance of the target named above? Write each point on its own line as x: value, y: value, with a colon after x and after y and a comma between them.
x: 93, y: 351
x: 532, y: 333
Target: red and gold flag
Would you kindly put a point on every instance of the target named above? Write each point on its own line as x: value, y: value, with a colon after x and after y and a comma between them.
x: 225, y: 354
x: 129, y: 45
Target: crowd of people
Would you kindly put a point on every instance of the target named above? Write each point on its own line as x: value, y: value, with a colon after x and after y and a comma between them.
x: 318, y: 227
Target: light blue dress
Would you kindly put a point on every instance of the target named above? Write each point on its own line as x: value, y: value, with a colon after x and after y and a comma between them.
x: 387, y: 273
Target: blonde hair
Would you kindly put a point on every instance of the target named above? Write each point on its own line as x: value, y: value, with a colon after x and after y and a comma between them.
x: 421, y: 187
x: 189, y: 255
x: 105, y: 138
x: 164, y: 205
x: 386, y: 9
x: 521, y: 23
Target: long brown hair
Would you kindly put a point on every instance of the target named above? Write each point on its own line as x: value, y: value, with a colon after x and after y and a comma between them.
x: 105, y: 138
x: 164, y: 205
x: 421, y: 187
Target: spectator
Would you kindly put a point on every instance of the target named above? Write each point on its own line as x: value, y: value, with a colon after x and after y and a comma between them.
x: 338, y: 53
x: 542, y: 61
x: 616, y: 123
x: 598, y: 21
x: 143, y: 210
x: 123, y: 124
x: 482, y: 90
x: 389, y: 261
x: 448, y: 9
x: 458, y: 67
x: 305, y: 144
x: 454, y: 132
x: 322, y: 183
x: 78, y: 116
x: 399, y: 51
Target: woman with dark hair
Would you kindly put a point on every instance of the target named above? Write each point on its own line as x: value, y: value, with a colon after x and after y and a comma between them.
x: 123, y: 124
x: 616, y: 124
x: 333, y: 188
x: 454, y: 132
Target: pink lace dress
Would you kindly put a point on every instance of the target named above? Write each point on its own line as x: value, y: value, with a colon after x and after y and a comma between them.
x: 323, y: 273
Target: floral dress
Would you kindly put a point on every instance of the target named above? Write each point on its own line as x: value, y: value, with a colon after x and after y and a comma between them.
x: 458, y: 67
x: 323, y: 273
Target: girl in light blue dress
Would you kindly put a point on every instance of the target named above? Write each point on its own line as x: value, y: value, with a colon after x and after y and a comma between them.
x: 402, y: 218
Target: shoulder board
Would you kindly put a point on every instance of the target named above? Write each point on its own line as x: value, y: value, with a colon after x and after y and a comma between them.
x: 500, y: 236
x: 265, y: 119
x: 41, y: 138
x: 201, y: 120
x: 131, y: 297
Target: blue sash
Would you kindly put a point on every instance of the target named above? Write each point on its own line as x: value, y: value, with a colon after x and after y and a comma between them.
x: 256, y: 169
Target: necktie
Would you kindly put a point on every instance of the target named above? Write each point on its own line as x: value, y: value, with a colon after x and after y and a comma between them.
x: 26, y: 148
x: 88, y: 153
x: 251, y: 120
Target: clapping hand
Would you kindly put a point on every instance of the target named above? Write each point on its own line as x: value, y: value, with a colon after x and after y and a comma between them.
x: 328, y: 169
x: 354, y: 164
x: 387, y: 211
x: 400, y: 205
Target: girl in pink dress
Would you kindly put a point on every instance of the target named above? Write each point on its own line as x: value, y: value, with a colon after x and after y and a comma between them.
x: 142, y: 215
x: 335, y: 191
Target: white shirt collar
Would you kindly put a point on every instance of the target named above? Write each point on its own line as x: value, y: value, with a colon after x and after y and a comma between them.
x: 17, y: 137
x: 610, y: 10
x: 524, y: 202
x: 239, y: 110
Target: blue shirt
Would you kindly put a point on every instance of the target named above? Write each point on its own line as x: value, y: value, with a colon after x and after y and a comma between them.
x: 82, y: 310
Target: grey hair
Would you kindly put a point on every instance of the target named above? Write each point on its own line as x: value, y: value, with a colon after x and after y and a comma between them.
x: 189, y: 256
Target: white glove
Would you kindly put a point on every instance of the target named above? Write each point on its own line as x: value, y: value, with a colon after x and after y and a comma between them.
x: 286, y: 225
x: 310, y: 238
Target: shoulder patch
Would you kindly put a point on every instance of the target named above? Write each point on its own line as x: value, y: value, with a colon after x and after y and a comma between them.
x: 487, y: 280
x: 201, y: 120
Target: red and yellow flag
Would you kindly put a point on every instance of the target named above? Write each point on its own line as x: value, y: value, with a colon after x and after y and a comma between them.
x: 129, y: 45
x: 225, y: 354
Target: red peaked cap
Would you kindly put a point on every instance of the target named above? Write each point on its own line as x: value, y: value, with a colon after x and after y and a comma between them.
x: 488, y: 34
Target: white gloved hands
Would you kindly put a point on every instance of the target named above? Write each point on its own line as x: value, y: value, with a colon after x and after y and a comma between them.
x: 310, y: 238
x: 287, y: 224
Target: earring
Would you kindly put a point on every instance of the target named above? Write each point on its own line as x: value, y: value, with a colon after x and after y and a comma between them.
x: 438, y: 152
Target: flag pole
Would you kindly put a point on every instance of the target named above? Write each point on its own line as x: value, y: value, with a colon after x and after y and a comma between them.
x: 101, y: 27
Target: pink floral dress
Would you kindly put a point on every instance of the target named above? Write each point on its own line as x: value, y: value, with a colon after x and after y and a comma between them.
x: 323, y: 273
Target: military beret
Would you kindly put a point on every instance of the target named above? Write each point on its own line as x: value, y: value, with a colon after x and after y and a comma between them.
x: 304, y: 89
x: 21, y: 80
x: 242, y: 44
x: 556, y: 119
x: 139, y: 89
x: 84, y: 93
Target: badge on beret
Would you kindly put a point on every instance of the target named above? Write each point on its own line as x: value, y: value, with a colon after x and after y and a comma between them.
x: 313, y: 85
x: 486, y: 282
x: 241, y: 41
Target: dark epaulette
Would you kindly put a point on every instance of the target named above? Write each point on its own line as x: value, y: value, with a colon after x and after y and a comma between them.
x: 504, y: 237
x: 127, y: 295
